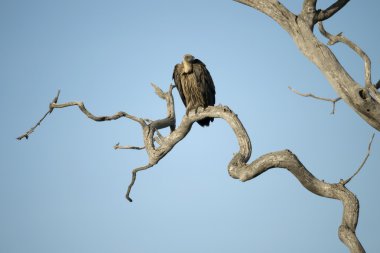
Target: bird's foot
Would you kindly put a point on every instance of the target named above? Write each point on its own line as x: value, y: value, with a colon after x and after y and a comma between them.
x: 199, y: 109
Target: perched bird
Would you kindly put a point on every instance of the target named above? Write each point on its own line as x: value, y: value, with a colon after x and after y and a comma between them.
x: 195, y: 85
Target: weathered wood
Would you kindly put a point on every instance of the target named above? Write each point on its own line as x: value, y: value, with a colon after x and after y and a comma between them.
x: 363, y: 99
x: 157, y: 146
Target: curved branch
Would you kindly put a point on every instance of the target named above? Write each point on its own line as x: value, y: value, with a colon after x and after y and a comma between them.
x: 30, y: 131
x: 134, y: 173
x: 116, y: 116
x: 239, y: 168
x: 273, y: 9
x: 287, y: 160
x: 340, y: 38
x: 344, y: 182
x: 310, y: 13
x: 331, y: 10
x: 365, y: 102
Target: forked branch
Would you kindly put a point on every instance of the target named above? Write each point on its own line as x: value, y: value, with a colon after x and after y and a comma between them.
x: 340, y: 38
x: 238, y: 168
x: 331, y: 10
x: 365, y: 101
x: 333, y: 101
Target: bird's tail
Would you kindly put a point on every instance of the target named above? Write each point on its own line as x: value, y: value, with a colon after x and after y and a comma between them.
x: 205, y: 121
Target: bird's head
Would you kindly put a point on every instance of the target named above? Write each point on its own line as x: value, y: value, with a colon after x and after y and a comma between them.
x: 187, y: 63
x: 188, y: 58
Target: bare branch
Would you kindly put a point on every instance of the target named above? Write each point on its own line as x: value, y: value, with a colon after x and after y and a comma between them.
x: 238, y: 168
x: 312, y: 16
x: 275, y: 10
x: 117, y: 146
x: 158, y: 91
x: 81, y: 106
x: 55, y: 100
x: 309, y: 7
x: 333, y: 101
x: 30, y: 131
x: 134, y: 172
x: 116, y: 116
x: 365, y: 102
x: 331, y: 10
x: 344, y: 182
x: 169, y: 121
x: 340, y: 38
x: 287, y: 160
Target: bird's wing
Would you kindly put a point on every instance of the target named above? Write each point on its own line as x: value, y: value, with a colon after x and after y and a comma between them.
x: 178, y: 68
x: 205, y: 81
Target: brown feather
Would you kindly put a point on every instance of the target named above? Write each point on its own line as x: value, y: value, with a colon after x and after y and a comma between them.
x: 196, y: 88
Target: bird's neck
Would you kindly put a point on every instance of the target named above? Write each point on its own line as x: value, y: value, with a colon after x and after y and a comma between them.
x: 187, y: 67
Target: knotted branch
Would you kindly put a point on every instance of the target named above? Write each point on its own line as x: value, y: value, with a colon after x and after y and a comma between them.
x: 238, y: 168
x: 149, y: 130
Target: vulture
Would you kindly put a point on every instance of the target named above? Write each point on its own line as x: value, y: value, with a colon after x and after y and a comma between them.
x: 195, y: 85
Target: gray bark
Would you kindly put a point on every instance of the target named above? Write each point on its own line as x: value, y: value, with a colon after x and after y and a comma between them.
x: 157, y: 146
x: 363, y: 99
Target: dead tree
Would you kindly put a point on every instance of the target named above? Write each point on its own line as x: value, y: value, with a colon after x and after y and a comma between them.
x: 157, y: 146
x: 363, y: 99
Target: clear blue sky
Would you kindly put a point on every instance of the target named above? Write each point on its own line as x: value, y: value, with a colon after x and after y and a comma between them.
x: 63, y: 189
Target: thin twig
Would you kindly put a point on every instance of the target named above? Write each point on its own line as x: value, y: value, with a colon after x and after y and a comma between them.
x: 30, y: 131
x: 117, y: 146
x: 134, y: 172
x: 344, y: 182
x: 340, y: 38
x: 333, y: 101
